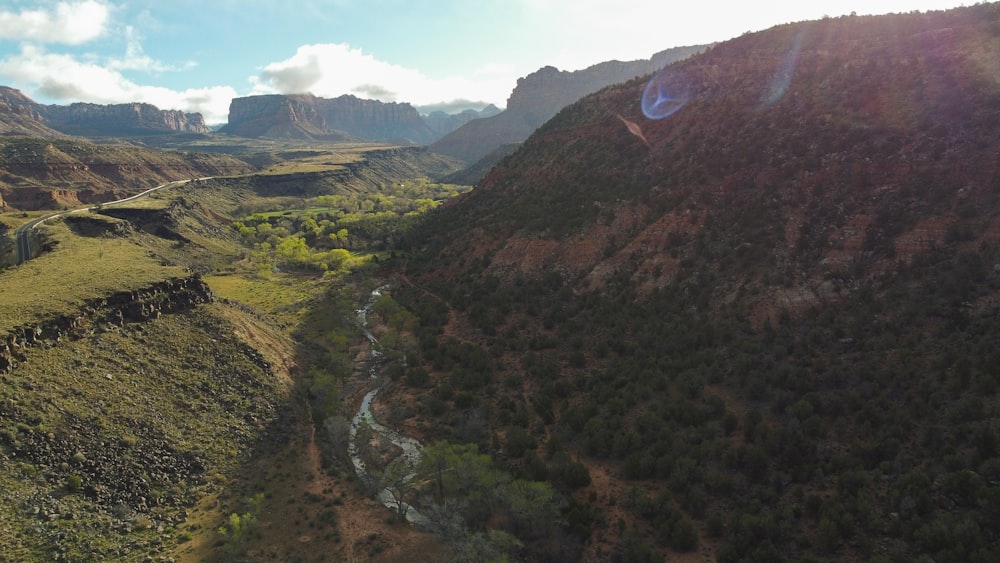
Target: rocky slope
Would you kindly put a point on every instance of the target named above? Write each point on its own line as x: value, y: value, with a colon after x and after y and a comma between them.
x: 105, y: 314
x: 43, y: 173
x: 539, y: 96
x: 21, y: 114
x: 151, y: 396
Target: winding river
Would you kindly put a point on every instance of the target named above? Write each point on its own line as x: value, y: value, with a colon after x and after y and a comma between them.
x: 410, y: 447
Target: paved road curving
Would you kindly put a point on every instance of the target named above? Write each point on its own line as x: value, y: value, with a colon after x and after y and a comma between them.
x: 23, y: 233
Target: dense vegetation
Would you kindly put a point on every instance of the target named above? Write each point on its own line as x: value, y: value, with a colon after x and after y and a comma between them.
x: 319, y: 233
x: 785, y: 345
x: 866, y: 428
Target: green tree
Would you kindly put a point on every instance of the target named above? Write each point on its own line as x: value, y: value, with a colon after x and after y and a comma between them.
x: 396, y: 479
x: 531, y: 507
x: 292, y: 252
x: 238, y: 528
x: 492, y: 546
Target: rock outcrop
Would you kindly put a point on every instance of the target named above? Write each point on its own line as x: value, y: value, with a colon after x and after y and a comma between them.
x: 169, y: 296
x: 14, y: 101
x: 21, y: 114
x: 539, y: 96
x: 310, y: 117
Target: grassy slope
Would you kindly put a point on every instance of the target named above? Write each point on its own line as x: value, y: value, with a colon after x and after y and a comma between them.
x: 82, y: 268
x: 111, y: 406
x: 125, y: 412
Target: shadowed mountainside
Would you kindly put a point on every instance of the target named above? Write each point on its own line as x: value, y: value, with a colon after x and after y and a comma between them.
x: 768, y: 324
x: 881, y: 130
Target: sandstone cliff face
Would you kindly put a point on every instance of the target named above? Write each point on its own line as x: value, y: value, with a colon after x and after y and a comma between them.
x: 81, y: 118
x: 275, y: 116
x: 344, y: 117
x: 21, y: 114
x: 539, y: 96
x: 13, y: 101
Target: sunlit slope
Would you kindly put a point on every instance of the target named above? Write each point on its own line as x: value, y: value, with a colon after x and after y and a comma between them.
x: 47, y: 173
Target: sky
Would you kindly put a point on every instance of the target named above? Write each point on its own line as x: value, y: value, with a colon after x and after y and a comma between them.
x: 197, y: 55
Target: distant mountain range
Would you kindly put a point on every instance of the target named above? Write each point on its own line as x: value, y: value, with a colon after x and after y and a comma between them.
x: 20, y: 114
x: 469, y: 135
x: 540, y: 95
x: 342, y: 118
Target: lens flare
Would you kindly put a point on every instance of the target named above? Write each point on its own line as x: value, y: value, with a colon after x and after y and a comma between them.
x: 665, y: 94
x: 778, y: 86
x: 634, y: 129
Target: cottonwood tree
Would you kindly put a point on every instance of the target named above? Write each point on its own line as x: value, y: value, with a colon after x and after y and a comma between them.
x: 397, y: 479
x: 470, y: 491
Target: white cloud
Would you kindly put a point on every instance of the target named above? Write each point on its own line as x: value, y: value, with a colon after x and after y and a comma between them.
x: 330, y: 70
x: 593, y: 31
x: 136, y: 59
x: 71, y: 23
x: 64, y: 78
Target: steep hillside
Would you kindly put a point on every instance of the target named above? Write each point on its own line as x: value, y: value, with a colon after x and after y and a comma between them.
x: 879, y: 130
x: 541, y: 94
x: 768, y: 324
x: 19, y: 115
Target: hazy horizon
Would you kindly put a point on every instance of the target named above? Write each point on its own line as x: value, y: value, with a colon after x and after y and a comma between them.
x: 446, y: 54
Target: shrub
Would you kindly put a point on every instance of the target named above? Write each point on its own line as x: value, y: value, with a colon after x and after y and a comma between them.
x: 74, y: 483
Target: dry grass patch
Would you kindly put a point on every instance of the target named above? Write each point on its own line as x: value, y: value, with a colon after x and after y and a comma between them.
x: 284, y: 297
x: 77, y: 269
x: 320, y: 159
